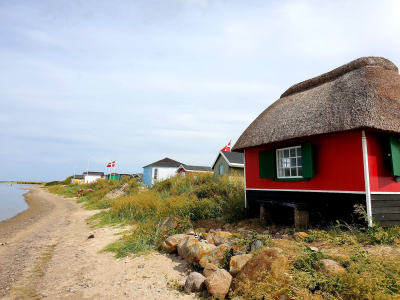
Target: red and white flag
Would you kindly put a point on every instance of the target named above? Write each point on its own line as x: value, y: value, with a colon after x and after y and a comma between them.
x: 227, y: 147
x: 111, y: 164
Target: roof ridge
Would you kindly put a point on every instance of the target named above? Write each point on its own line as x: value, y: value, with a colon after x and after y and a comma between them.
x: 370, y: 61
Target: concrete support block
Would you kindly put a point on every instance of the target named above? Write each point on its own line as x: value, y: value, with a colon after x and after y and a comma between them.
x: 265, y: 214
x: 301, y: 219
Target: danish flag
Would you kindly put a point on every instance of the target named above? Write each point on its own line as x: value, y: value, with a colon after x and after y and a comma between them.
x: 227, y: 147
x: 111, y: 164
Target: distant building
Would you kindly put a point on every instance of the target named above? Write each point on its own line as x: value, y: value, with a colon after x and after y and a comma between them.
x: 160, y: 170
x: 79, y: 179
x: 227, y: 162
x: 92, y: 176
x: 184, y: 169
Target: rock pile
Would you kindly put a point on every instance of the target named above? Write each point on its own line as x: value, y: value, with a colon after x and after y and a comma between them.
x: 209, y: 251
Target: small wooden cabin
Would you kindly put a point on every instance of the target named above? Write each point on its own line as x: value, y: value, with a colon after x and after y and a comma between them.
x: 186, y: 169
x: 329, y: 143
x: 227, y: 162
x: 160, y: 170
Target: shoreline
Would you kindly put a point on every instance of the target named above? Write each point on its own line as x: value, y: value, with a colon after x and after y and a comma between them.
x: 23, y: 219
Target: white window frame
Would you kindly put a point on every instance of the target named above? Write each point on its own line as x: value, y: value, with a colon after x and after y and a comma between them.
x: 221, y: 169
x: 289, y: 158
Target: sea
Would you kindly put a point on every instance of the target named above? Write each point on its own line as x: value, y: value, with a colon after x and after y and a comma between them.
x: 12, y: 201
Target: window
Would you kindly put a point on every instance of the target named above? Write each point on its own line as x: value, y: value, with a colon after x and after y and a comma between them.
x: 288, y: 161
x: 287, y: 164
x: 155, y: 175
x: 221, y: 169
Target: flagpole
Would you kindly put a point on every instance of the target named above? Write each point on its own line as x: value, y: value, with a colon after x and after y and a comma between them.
x: 87, y: 171
x: 110, y: 168
x: 74, y: 173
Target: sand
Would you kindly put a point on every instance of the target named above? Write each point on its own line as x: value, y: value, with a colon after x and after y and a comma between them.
x: 48, y: 256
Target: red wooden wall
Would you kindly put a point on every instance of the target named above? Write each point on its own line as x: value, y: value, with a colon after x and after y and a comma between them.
x: 380, y: 177
x: 338, y: 164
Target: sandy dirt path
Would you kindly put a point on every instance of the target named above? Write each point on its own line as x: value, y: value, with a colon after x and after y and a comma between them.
x: 49, y: 256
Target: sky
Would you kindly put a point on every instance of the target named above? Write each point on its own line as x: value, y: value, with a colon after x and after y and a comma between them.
x: 138, y: 81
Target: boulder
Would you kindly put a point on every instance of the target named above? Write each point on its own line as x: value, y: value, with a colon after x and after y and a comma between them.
x: 210, y: 269
x: 190, y: 232
x: 171, y: 243
x: 198, y: 251
x: 269, y: 261
x: 300, y: 236
x: 237, y: 263
x: 215, y: 256
x: 194, y: 283
x: 218, y: 283
x: 200, y: 231
x: 239, y: 250
x: 209, y: 237
x: 166, y: 223
x: 186, y: 244
x: 330, y: 267
x: 256, y: 245
x: 221, y: 237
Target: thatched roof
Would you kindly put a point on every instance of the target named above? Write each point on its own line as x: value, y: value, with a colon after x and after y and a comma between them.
x: 364, y: 93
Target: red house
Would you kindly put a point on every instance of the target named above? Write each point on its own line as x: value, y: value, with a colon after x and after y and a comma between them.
x: 328, y: 143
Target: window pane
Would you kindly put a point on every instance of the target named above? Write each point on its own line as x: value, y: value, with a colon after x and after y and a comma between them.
x: 293, y: 172
x: 286, y: 153
x: 299, y: 170
x: 293, y: 152
x: 280, y: 163
x: 287, y: 172
x: 299, y: 161
x: 292, y: 162
x: 286, y: 162
x: 280, y: 173
x: 280, y: 154
x: 299, y: 151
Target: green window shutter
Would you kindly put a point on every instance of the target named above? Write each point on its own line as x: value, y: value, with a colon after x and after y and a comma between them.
x: 266, y: 160
x: 307, y: 160
x: 395, y: 154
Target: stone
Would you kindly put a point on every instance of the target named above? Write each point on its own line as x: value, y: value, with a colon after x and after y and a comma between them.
x: 190, y: 232
x: 237, y: 263
x: 91, y: 236
x: 269, y: 261
x: 219, y: 283
x: 215, y: 256
x: 197, y: 251
x: 194, y: 283
x: 239, y: 250
x: 300, y: 236
x: 314, y: 249
x: 171, y: 243
x: 166, y: 223
x: 209, y: 237
x: 330, y: 267
x: 256, y: 245
x: 210, y: 269
x: 221, y: 237
x: 186, y: 244
x: 200, y: 231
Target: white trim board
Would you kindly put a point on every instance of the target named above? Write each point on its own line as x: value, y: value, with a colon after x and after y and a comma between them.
x: 315, y: 191
x: 385, y: 193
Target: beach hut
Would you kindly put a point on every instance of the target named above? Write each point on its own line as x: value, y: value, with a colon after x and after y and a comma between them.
x: 186, y: 169
x: 160, y: 170
x: 92, y: 176
x: 329, y: 143
x: 227, y: 162
x: 77, y: 179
